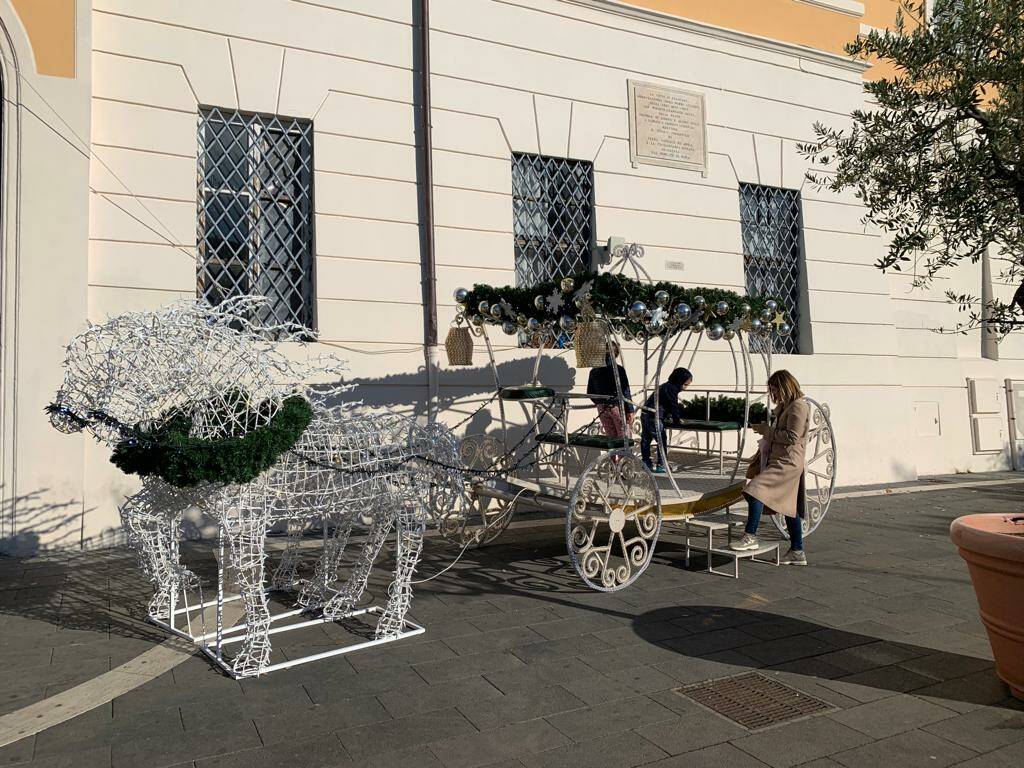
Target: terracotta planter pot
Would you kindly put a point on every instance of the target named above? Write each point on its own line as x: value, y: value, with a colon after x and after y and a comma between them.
x: 993, y: 546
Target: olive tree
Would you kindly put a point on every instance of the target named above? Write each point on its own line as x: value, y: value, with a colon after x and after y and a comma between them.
x: 936, y: 157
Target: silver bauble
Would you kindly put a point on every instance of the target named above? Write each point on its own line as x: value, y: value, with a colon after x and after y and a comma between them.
x: 521, y: 321
x: 509, y: 327
x: 538, y: 302
x: 683, y: 312
x: 461, y: 294
x: 566, y: 323
x: 662, y: 298
x: 698, y: 303
x: 772, y: 304
x: 766, y: 315
x: 496, y: 311
x: 697, y: 326
x: 637, y: 309
x: 756, y: 325
x: 785, y: 329
x: 533, y: 325
x: 729, y: 334
x: 722, y: 308
x: 567, y: 284
x: 484, y: 308
x: 745, y: 310
x: 715, y: 332
x: 476, y: 320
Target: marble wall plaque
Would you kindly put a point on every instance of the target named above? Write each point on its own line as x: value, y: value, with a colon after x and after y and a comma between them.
x: 667, y: 126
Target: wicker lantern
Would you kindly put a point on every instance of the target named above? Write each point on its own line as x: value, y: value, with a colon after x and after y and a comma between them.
x: 459, y: 346
x: 591, y: 345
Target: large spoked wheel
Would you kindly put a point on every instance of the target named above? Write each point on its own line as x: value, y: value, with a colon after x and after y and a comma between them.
x: 613, y: 521
x: 820, y: 471
x: 474, y: 519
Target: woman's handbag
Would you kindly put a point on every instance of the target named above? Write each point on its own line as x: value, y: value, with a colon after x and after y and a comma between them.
x: 759, y: 459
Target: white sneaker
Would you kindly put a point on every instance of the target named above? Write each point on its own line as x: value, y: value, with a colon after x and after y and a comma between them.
x: 745, y: 542
x: 794, y: 557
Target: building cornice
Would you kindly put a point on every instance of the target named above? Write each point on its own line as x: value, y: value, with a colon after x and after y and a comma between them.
x: 721, y: 33
x: 849, y: 7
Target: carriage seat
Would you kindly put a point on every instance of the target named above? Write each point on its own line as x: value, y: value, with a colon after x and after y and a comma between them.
x: 700, y: 425
x: 526, y: 393
x: 583, y: 440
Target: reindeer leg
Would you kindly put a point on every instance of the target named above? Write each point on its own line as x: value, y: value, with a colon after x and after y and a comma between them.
x: 286, y: 574
x: 247, y: 538
x: 409, y: 546
x: 314, y: 592
x: 349, y: 594
x: 152, y: 520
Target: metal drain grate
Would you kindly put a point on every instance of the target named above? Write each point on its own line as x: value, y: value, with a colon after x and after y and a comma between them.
x: 753, y: 701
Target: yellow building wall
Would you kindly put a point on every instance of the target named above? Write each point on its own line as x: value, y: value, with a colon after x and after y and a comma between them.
x: 789, y: 21
x: 50, y: 26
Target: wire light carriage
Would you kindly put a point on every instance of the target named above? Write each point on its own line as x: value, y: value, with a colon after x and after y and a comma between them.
x: 614, y: 505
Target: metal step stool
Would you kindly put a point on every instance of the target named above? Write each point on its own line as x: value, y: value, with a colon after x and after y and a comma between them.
x: 700, y: 535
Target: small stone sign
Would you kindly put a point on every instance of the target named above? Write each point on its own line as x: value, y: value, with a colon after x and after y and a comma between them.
x: 667, y: 126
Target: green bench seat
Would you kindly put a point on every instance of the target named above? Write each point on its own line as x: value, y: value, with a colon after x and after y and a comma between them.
x: 699, y: 425
x: 526, y: 393
x: 582, y: 440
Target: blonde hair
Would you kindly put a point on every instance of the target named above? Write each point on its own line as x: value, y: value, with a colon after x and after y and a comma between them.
x: 786, y: 386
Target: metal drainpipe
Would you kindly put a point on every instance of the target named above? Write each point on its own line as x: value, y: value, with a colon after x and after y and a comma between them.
x: 426, y: 178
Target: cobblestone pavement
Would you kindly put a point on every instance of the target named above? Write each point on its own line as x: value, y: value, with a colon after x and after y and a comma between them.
x: 521, y: 667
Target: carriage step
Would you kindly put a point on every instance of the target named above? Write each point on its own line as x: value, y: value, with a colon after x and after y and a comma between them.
x: 584, y: 440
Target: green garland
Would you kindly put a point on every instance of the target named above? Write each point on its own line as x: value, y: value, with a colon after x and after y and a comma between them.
x: 169, y: 452
x: 723, y: 408
x: 610, y: 296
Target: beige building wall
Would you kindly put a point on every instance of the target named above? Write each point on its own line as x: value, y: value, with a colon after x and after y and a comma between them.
x: 545, y: 76
x: 43, y: 269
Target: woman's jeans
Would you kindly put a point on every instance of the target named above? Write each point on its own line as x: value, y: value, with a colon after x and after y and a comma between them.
x: 649, y: 432
x: 793, y: 524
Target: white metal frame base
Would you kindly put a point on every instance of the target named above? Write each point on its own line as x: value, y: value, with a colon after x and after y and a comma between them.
x: 215, y: 650
x: 212, y: 643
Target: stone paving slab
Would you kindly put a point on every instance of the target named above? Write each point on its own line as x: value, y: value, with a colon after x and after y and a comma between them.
x: 522, y: 668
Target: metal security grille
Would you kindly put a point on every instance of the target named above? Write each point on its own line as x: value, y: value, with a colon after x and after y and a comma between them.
x: 552, y: 216
x: 770, y: 223
x: 754, y: 701
x: 255, y: 212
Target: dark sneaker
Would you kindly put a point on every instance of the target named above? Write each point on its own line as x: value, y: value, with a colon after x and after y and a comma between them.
x: 794, y: 557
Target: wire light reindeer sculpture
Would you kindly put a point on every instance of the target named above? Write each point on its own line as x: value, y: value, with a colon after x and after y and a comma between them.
x: 230, y: 378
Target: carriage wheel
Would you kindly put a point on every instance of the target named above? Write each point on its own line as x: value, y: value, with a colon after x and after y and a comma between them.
x: 820, y: 471
x: 476, y: 520
x: 473, y: 520
x: 613, y: 521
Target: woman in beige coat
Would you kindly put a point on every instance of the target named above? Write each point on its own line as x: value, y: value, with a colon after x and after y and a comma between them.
x: 776, y: 474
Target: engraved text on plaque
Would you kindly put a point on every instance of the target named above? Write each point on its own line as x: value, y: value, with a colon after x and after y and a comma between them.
x: 667, y: 127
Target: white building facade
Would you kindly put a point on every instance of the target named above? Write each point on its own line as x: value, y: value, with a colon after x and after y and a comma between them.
x: 115, y: 209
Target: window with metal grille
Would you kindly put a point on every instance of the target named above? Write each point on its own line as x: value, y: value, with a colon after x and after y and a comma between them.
x: 771, y: 228
x: 552, y: 216
x: 256, y: 212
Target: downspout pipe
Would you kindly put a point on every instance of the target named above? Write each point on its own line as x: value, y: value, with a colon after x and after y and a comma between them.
x: 425, y: 173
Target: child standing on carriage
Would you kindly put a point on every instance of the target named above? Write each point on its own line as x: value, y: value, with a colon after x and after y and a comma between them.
x: 653, y: 424
x: 602, y: 383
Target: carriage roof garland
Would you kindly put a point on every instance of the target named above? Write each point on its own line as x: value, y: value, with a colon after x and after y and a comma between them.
x: 614, y: 506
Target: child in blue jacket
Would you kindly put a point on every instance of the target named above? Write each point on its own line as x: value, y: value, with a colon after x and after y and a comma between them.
x: 668, y: 411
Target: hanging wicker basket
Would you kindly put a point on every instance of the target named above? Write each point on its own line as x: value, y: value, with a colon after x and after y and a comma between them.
x: 591, y: 345
x: 459, y: 346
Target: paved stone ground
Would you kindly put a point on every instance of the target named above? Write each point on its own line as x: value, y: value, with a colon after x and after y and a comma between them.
x: 520, y: 667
